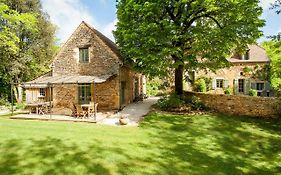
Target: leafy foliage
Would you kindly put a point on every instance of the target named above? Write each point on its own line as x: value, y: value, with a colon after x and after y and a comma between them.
x: 200, y: 85
x: 156, y: 86
x: 273, y: 49
x: 26, y: 42
x: 253, y: 92
x: 160, y: 36
x: 228, y: 91
x: 247, y: 69
x: 171, y: 101
x: 277, y: 6
x: 174, y: 101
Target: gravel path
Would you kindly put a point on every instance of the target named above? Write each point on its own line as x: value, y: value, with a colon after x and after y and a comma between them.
x: 134, y: 112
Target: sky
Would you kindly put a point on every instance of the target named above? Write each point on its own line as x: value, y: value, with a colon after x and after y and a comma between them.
x: 101, y: 14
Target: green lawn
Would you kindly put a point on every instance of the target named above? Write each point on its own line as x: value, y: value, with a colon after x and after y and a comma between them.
x: 163, y: 144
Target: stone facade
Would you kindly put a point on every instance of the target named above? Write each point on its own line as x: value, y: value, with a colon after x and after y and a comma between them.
x: 243, y: 72
x: 102, y: 60
x: 241, y: 105
x: 118, y: 86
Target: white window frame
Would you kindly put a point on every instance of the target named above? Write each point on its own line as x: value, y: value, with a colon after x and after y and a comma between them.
x: 221, y: 83
x: 42, y: 92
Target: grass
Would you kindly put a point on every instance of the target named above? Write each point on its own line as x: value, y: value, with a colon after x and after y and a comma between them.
x: 163, y: 144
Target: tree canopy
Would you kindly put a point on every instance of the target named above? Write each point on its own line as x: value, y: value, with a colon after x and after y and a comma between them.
x: 160, y: 36
x: 26, y: 42
x: 273, y: 49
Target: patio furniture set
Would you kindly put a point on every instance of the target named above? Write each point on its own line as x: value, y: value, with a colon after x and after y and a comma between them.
x: 85, y: 110
x: 78, y: 111
x: 40, y: 108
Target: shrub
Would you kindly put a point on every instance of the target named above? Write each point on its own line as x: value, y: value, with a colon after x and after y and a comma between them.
x: 168, y: 102
x: 247, y: 69
x: 253, y: 92
x: 20, y: 106
x: 227, y: 91
x: 156, y: 87
x: 208, y: 82
x: 200, y: 85
x: 194, y: 102
x: 4, y: 102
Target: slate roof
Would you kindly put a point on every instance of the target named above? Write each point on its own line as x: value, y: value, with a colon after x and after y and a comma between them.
x: 257, y: 55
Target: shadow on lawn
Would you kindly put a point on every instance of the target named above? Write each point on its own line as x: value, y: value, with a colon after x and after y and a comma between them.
x: 217, y: 145
x: 49, y: 156
x: 176, y: 145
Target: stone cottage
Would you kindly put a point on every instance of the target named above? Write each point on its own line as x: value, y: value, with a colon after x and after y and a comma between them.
x: 88, y: 68
x: 248, y: 71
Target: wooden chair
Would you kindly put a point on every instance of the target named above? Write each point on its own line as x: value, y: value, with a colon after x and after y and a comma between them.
x: 80, y: 112
x: 74, y: 110
x: 93, y: 108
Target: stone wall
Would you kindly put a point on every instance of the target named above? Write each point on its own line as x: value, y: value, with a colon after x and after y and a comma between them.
x: 241, y: 105
x: 107, y: 94
x: 102, y: 60
x: 65, y: 95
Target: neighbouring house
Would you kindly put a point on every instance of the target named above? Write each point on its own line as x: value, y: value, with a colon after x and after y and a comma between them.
x: 248, y: 71
x: 88, y: 68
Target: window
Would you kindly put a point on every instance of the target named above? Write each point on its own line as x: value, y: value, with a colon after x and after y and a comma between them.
x: 219, y: 83
x: 42, y: 92
x: 246, y: 56
x: 84, y: 91
x: 260, y: 86
x: 84, y: 55
x: 241, y: 83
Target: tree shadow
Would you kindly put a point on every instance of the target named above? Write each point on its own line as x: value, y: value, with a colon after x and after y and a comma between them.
x: 49, y: 156
x: 172, y: 145
x: 216, y: 144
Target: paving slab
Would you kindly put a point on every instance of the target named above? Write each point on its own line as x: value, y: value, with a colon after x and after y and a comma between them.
x: 134, y: 112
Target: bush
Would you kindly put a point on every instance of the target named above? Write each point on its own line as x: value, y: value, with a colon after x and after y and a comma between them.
x: 4, y: 102
x: 208, y: 82
x: 200, y: 85
x: 156, y: 87
x: 253, y: 92
x: 169, y: 102
x: 194, y: 102
x: 20, y: 106
x: 227, y: 91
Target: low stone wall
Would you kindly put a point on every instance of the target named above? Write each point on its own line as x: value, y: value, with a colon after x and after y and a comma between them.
x: 241, y: 105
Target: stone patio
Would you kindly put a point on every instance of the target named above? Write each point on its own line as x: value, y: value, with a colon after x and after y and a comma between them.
x: 48, y: 117
x: 134, y: 113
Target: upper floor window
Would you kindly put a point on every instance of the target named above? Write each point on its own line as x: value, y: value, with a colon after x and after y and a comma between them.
x: 260, y: 86
x: 246, y: 56
x: 84, y: 55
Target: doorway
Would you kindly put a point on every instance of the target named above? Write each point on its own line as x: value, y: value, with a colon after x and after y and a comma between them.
x: 122, y: 93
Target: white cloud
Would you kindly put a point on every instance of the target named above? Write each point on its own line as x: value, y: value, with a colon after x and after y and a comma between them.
x: 68, y: 14
x: 107, y: 30
x: 265, y: 4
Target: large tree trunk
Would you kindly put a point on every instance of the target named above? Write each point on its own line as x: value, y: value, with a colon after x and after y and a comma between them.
x: 179, y: 77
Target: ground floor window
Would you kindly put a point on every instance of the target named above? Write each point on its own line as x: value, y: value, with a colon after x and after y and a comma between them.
x: 260, y: 86
x: 241, y: 85
x: 219, y: 83
x: 85, y: 94
x: 42, y: 92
